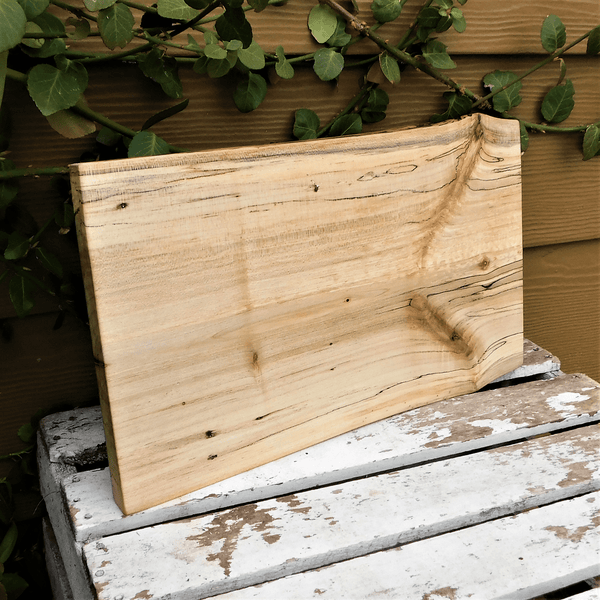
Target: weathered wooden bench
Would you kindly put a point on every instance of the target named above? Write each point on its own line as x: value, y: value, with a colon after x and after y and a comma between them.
x: 488, y: 495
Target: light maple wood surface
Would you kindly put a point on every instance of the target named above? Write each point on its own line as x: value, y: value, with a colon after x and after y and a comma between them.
x: 248, y: 303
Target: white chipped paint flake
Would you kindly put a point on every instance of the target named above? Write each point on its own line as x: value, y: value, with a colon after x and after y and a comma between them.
x: 587, y: 389
x: 565, y: 403
x: 435, y: 434
x: 498, y: 426
x: 438, y: 415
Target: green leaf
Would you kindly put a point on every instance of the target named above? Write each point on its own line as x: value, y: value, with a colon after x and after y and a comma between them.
x: 458, y: 106
x: 49, y: 261
x: 33, y: 8
x: 146, y: 143
x: 250, y: 93
x: 50, y: 25
x: 591, y: 142
x: 508, y: 98
x: 52, y: 89
x: 176, y: 9
x: 26, y: 433
x: 328, y: 63
x: 524, y: 134
x: 233, y: 25
x: 372, y: 115
x: 558, y: 102
x: 593, y: 42
x: 8, y: 187
x: 94, y: 5
x: 165, y: 114
x: 215, y: 51
x: 116, y: 26
x: 444, y: 4
x: 70, y: 124
x: 444, y: 23
x: 217, y: 68
x: 38, y: 42
x: 4, y: 114
x: 435, y: 54
x: 386, y: 10
x: 322, y: 22
x: 81, y: 28
x: 163, y: 70
x: 75, y: 69
x: 458, y: 20
x: 197, y: 4
x: 283, y: 67
x: 375, y: 109
x: 306, y: 124
x: 339, y: 38
x: 8, y: 542
x: 346, y: 125
x: 201, y: 65
x: 18, y: 246
x: 428, y: 17
x: 14, y: 585
x: 233, y: 46
x: 252, y: 57
x: 12, y: 24
x: 389, y: 67
x: 378, y: 98
x: 554, y: 34
x: 21, y: 292
x: 258, y: 5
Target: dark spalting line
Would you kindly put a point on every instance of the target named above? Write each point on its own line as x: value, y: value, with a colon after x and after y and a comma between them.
x: 488, y: 351
x: 465, y: 166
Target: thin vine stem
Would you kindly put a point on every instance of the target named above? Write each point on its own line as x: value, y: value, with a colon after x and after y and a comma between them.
x: 75, y: 10
x: 33, y: 172
x: 349, y: 108
x: 543, y: 63
x: 400, y: 55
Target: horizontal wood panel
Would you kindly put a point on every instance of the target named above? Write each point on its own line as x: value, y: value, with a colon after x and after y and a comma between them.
x: 511, y: 27
x: 562, y: 303
x: 42, y: 367
x: 561, y: 192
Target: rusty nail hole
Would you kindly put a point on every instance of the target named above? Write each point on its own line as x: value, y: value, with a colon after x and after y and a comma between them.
x: 212, y: 457
x: 123, y: 205
x: 347, y: 299
x: 210, y: 433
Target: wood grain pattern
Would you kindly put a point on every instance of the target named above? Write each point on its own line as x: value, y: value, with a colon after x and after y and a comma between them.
x: 251, y: 302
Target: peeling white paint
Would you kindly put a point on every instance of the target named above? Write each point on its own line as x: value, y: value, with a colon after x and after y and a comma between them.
x: 564, y: 403
x: 498, y: 426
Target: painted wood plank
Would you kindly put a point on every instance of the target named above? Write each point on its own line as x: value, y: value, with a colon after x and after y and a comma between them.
x: 513, y: 558
x: 589, y: 595
x: 249, y: 544
x: 429, y: 433
x: 52, y: 476
x: 59, y: 580
x: 248, y: 303
x: 536, y: 361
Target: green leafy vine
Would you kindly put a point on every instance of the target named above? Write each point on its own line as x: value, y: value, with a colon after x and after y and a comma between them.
x: 220, y: 43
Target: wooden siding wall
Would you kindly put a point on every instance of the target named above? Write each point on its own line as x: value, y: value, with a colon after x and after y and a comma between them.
x: 41, y: 366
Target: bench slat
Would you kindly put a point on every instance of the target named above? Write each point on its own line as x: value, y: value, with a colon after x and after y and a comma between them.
x: 204, y: 556
x: 513, y: 558
x: 443, y: 429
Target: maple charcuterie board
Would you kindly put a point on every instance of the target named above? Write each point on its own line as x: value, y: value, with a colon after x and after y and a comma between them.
x: 247, y: 303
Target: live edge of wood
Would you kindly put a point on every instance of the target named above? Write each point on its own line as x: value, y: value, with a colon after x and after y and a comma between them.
x: 248, y: 303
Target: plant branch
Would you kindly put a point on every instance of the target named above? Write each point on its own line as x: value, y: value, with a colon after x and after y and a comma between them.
x: 33, y: 172
x: 539, y: 65
x: 180, y: 28
x: 553, y: 128
x: 75, y: 10
x: 349, y: 108
x: 88, y: 58
x: 400, y: 55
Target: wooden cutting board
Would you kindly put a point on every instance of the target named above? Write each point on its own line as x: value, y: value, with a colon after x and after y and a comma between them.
x: 248, y: 303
